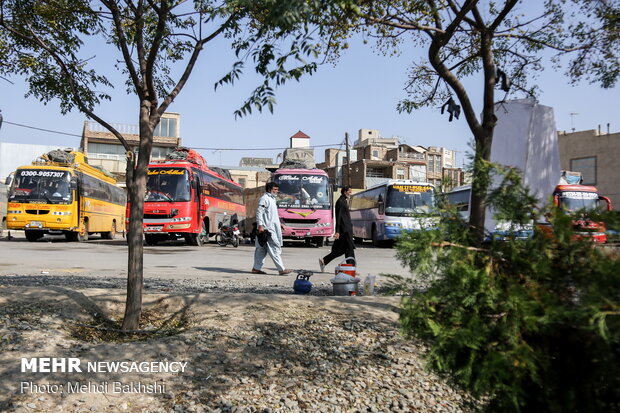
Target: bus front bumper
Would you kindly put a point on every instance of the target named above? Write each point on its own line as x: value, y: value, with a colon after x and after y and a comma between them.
x: 55, y: 224
x: 300, y: 233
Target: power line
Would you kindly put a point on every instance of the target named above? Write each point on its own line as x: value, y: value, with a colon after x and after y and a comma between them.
x: 41, y: 129
x: 190, y: 147
x: 259, y: 149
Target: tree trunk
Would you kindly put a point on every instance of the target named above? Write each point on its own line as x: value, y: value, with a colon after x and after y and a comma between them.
x: 484, y: 138
x: 480, y: 187
x: 137, y: 189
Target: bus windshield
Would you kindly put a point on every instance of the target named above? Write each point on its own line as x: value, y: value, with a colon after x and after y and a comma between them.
x: 302, y: 191
x: 409, y: 199
x: 167, y: 185
x: 41, y: 185
x: 571, y: 201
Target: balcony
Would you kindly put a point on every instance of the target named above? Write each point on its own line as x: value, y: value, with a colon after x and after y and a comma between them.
x: 406, y: 156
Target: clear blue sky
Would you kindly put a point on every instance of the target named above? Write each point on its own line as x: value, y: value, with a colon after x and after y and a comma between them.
x: 360, y: 92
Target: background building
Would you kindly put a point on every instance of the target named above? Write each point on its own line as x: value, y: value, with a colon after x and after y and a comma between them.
x: 375, y: 159
x: 299, y: 140
x: 104, y: 149
x: 597, y: 156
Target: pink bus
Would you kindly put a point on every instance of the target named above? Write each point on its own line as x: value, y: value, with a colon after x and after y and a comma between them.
x: 305, y: 204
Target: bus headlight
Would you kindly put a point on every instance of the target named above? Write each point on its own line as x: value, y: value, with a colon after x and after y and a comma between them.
x: 392, y: 224
x: 181, y: 219
x: 61, y: 213
x: 14, y: 212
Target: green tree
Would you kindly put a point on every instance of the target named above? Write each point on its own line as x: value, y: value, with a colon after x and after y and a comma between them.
x: 528, y: 324
x: 45, y: 42
x: 486, y: 45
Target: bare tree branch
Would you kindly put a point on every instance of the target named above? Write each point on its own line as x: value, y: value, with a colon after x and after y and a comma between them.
x: 543, y: 43
x: 190, y: 65
x: 410, y: 26
x: 502, y: 14
x: 122, y: 40
x: 69, y: 78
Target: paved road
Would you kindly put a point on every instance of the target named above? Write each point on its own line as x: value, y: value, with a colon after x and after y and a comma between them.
x: 53, y: 256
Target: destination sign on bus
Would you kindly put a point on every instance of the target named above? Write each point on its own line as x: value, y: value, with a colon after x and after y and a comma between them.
x: 412, y: 188
x: 41, y: 172
x: 313, y: 179
x: 166, y: 171
x: 579, y: 195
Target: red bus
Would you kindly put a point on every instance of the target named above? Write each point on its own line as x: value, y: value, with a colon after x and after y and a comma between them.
x: 184, y: 198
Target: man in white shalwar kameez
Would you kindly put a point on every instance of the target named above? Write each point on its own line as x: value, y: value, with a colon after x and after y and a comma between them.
x: 267, y: 219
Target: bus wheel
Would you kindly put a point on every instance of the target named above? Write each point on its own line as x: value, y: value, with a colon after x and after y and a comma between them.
x: 319, y: 241
x: 33, y: 235
x: 358, y: 240
x: 373, y: 236
x: 110, y: 234
x: 193, y: 240
x: 83, y: 233
x: 197, y: 240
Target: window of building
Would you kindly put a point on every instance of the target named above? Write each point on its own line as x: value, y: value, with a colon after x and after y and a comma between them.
x: 431, y: 164
x: 160, y: 152
x: 587, y: 167
x: 106, y: 151
x: 167, y: 127
x: 375, y: 153
x: 374, y: 172
x: 400, y: 173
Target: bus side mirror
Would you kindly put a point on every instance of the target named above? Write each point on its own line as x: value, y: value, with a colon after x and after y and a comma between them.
x: 381, y: 206
x: 195, y: 183
x: 73, y: 184
x: 8, y: 180
x: 604, y: 203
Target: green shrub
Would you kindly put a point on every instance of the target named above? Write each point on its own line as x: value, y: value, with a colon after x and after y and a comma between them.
x: 533, y: 324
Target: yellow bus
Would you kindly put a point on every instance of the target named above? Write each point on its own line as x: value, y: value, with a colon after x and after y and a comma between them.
x: 60, y: 193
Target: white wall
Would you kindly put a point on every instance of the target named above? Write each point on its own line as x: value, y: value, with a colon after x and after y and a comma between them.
x: 525, y: 137
x: 14, y: 155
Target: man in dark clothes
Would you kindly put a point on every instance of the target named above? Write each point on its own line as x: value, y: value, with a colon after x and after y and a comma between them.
x: 343, y: 237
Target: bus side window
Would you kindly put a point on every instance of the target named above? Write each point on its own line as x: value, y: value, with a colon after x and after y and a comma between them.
x: 196, y: 185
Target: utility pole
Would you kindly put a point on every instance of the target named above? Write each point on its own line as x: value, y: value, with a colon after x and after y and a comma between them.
x: 346, y: 142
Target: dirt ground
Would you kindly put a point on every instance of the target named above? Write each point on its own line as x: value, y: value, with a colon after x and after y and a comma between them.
x: 243, y: 352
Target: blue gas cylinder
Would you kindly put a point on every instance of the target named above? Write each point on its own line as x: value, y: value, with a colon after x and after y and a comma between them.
x: 302, y: 284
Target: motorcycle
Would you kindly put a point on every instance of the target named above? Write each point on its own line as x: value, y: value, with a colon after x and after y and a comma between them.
x: 229, y: 234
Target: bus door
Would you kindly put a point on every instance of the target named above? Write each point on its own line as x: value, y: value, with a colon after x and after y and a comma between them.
x: 197, y: 187
x: 74, y: 187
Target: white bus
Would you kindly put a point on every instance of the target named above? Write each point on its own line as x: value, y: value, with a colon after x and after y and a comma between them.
x: 380, y: 213
x: 460, y: 197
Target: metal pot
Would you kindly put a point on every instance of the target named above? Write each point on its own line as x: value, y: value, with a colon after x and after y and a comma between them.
x: 345, y: 288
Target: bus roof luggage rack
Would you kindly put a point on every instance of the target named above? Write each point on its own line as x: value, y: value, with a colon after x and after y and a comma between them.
x: 59, y: 156
x: 103, y: 171
x: 223, y: 172
x: 186, y: 154
x: 298, y: 158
